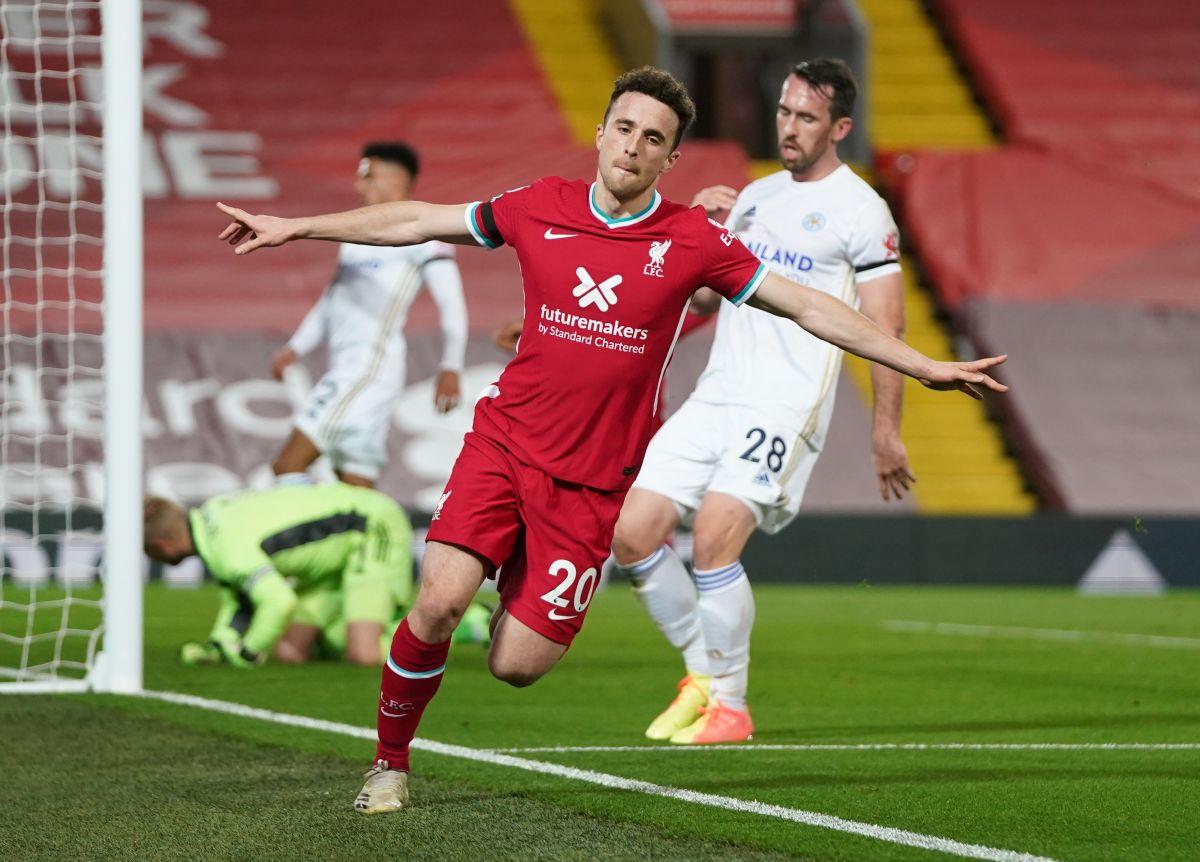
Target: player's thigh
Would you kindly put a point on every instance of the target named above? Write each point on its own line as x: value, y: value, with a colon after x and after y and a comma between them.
x: 519, y: 655
x: 761, y: 457
x: 647, y: 518
x: 450, y: 577
x: 318, y: 607
x: 793, y: 482
x: 549, y: 582
x: 355, y: 426
x: 683, y: 456
x: 723, y: 526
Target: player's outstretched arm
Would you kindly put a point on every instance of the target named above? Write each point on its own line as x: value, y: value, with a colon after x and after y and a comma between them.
x: 395, y: 223
x: 832, y: 320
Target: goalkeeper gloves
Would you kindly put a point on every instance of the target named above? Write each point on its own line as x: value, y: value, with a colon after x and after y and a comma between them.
x: 223, y: 651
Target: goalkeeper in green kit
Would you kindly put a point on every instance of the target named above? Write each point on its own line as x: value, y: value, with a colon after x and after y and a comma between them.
x: 302, y: 569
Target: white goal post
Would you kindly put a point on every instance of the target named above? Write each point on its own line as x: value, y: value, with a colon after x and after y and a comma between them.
x: 71, y: 341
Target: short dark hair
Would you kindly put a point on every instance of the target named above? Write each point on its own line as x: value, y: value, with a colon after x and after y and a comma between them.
x: 396, y: 152
x: 657, y: 84
x: 834, y: 79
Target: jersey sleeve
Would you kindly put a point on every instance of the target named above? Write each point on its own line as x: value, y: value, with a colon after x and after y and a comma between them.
x: 496, y: 222
x: 874, y: 247
x: 728, y: 266
x: 444, y: 283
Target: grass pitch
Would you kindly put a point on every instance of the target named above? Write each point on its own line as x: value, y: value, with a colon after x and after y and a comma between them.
x: 109, y: 777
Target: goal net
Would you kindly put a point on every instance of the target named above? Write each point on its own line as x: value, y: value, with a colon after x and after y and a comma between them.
x: 70, y: 345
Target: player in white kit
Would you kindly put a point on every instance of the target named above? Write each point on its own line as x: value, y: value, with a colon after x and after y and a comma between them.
x: 738, y: 454
x: 361, y: 315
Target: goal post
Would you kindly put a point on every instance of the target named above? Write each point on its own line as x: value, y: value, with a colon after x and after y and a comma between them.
x: 119, y: 668
x: 71, y: 345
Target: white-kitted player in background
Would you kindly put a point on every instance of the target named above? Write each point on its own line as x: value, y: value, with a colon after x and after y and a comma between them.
x: 737, y: 455
x: 361, y: 315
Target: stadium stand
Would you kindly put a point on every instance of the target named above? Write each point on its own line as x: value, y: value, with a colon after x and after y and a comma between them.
x: 920, y: 102
x: 1075, y: 246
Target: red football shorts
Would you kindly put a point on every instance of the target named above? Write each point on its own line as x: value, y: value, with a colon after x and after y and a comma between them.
x: 547, y: 538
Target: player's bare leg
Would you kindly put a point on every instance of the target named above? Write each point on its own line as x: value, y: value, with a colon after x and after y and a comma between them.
x: 296, y: 456
x: 520, y: 656
x: 413, y: 672
x: 363, y: 642
x: 295, y: 647
x: 726, y: 611
x: 666, y: 591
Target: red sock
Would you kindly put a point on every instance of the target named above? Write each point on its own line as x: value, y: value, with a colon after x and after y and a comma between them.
x: 411, y: 677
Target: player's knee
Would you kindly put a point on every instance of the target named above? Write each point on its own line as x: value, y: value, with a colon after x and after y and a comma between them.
x: 434, y: 617
x: 714, y: 546
x: 287, y: 653
x: 633, y: 541
x: 514, y: 673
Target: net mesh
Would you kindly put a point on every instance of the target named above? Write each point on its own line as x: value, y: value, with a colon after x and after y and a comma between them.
x: 51, y: 386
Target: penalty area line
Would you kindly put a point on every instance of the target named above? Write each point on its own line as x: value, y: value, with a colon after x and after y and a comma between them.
x: 602, y: 779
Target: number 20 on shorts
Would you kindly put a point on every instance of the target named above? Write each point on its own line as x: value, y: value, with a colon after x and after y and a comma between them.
x: 585, y: 587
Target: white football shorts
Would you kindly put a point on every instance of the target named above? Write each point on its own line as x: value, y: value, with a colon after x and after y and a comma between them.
x: 732, y: 450
x: 348, y: 416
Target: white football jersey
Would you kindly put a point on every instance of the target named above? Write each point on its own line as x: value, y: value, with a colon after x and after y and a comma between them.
x: 831, y: 234
x: 362, y: 312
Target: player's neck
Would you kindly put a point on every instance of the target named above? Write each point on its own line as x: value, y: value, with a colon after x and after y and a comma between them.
x: 825, y: 166
x: 614, y: 207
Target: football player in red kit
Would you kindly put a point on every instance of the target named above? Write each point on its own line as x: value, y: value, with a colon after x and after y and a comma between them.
x: 609, y: 268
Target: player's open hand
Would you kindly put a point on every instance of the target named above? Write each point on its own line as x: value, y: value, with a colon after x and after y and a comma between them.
x: 970, y: 377
x: 715, y: 199
x: 446, y: 391
x: 250, y: 232
x: 892, y: 471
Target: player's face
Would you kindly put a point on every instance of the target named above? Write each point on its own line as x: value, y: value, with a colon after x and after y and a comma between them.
x: 379, y: 182
x: 636, y: 144
x: 805, y: 128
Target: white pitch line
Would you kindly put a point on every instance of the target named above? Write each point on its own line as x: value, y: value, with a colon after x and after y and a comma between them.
x: 872, y: 746
x: 728, y: 803
x: 1074, y: 635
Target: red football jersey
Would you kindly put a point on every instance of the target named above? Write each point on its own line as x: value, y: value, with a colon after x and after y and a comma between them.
x: 604, y: 302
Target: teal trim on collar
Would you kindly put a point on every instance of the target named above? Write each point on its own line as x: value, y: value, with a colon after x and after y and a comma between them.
x: 625, y: 220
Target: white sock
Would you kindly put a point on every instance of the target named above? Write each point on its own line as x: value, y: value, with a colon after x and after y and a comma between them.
x: 667, y: 593
x: 293, y: 479
x: 726, y: 607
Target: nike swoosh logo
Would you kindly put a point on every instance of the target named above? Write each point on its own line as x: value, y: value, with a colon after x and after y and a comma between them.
x: 555, y: 615
x: 550, y: 234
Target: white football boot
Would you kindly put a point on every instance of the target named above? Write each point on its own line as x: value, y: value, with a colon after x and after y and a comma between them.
x: 385, y: 790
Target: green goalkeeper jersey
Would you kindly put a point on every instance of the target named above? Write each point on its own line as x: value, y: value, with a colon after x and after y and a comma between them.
x: 266, y: 546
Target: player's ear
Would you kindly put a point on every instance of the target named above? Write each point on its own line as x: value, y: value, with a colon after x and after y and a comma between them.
x: 599, y: 134
x: 841, y: 128
x: 670, y: 163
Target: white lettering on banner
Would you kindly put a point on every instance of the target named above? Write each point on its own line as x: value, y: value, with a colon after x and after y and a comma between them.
x: 59, y: 142
x: 28, y: 564
x: 179, y: 23
x: 179, y: 399
x: 25, y: 409
x: 233, y: 405
x: 191, y: 480
x: 216, y: 164
x: 79, y: 554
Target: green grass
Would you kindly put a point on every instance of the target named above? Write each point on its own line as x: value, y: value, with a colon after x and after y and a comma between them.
x: 107, y: 777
